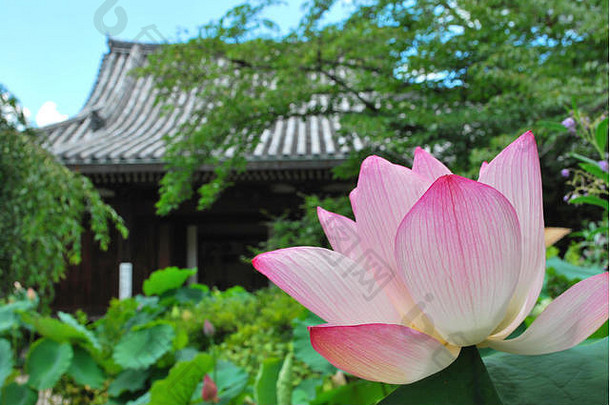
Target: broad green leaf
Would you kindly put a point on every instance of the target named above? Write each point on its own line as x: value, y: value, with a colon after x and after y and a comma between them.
x: 178, y: 387
x: 355, y: 393
x: 167, y: 279
x: 15, y: 394
x: 47, y: 360
x: 575, y: 376
x: 6, y: 360
x: 85, y: 333
x: 305, y: 392
x: 601, y: 135
x: 591, y: 200
x: 265, y: 392
x: 85, y: 370
x: 187, y: 294
x: 129, y: 380
x: 9, y: 317
x: 61, y: 331
x: 569, y: 271
x: 186, y: 354
x: 465, y: 381
x: 230, y: 380
x: 143, y: 347
x: 302, y: 345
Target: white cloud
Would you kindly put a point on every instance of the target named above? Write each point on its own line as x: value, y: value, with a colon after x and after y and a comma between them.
x: 48, y: 114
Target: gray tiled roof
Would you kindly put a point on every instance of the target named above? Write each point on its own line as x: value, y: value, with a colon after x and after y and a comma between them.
x: 120, y: 123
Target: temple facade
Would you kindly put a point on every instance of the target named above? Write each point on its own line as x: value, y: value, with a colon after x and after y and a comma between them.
x: 117, y: 141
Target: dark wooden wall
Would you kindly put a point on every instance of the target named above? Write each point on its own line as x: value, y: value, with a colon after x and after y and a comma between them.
x: 237, y: 220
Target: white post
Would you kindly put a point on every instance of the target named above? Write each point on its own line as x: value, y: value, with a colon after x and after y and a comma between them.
x: 191, y: 250
x: 125, y: 280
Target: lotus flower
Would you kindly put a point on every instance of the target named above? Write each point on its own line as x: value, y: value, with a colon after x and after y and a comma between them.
x: 434, y: 262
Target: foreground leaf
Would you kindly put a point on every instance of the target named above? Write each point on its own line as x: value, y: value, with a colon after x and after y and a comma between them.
x: 465, y: 381
x: 61, y: 331
x: 578, y: 375
x: 143, y: 347
x: 265, y: 391
x: 85, y: 333
x: 46, y: 362
x: 85, y: 370
x: 6, y: 360
x: 129, y: 380
x: 178, y: 387
x: 230, y: 380
x: 9, y: 317
x: 15, y: 394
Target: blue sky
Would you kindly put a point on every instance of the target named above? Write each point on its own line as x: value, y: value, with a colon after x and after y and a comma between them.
x: 50, y: 51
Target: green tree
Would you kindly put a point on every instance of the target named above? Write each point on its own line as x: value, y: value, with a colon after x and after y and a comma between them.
x: 44, y: 208
x: 454, y: 75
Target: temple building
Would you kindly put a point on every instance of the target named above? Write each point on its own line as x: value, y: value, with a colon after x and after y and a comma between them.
x: 117, y: 141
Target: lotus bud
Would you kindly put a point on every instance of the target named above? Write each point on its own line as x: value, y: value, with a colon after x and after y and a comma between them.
x: 208, y: 328
x: 209, y: 392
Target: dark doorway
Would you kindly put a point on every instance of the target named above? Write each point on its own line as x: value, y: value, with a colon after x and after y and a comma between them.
x: 221, y: 248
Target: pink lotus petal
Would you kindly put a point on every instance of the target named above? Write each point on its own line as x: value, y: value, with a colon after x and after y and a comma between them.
x: 515, y: 172
x: 384, y: 195
x: 459, y: 249
x: 483, y: 168
x: 427, y: 165
x: 329, y: 284
x: 341, y: 233
x: 567, y: 321
x: 392, y: 354
x: 353, y: 199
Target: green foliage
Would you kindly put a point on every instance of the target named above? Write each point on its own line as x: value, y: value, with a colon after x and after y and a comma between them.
x: 85, y: 370
x: 178, y: 387
x: 284, y: 381
x: 230, y: 381
x: 129, y: 380
x: 465, y: 381
x: 580, y: 373
x: 303, y: 350
x: 569, y: 271
x: 142, y: 347
x: 46, y: 362
x: 167, y: 279
x: 401, y: 74
x: 150, y: 353
x: 356, y: 393
x: 259, y: 327
x: 64, y: 330
x: 43, y: 207
x: 265, y: 389
x: 6, y: 360
x: 15, y: 394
